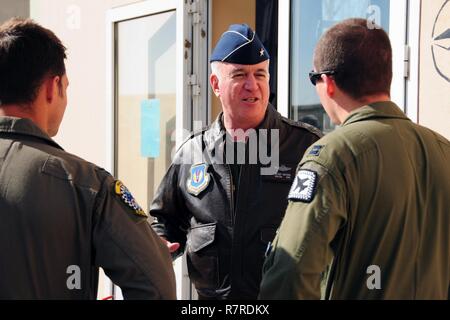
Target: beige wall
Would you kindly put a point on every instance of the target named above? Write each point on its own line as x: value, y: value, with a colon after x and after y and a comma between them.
x: 225, y: 13
x: 434, y: 91
x: 14, y: 8
x: 81, y: 25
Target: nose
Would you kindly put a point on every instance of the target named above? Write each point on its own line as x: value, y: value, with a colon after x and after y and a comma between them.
x: 250, y: 83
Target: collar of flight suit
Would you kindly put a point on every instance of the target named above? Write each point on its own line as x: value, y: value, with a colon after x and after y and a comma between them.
x: 216, y: 133
x: 376, y: 110
x: 25, y: 127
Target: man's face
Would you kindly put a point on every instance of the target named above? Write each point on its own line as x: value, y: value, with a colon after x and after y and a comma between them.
x: 325, y: 100
x: 59, y: 106
x: 243, y: 91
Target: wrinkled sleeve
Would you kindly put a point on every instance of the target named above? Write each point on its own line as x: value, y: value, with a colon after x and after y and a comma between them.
x: 130, y: 252
x: 169, y: 209
x: 302, y: 248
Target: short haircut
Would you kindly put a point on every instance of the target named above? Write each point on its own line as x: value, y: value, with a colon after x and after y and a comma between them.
x: 361, y: 55
x: 29, y: 54
x: 216, y: 68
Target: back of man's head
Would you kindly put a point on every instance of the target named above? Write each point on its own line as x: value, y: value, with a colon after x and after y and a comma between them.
x: 28, y: 54
x: 360, y: 54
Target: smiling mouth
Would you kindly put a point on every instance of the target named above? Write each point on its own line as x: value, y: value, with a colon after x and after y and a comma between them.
x: 250, y: 100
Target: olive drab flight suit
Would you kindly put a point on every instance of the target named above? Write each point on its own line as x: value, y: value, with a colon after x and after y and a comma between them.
x: 374, y: 194
x: 62, y: 218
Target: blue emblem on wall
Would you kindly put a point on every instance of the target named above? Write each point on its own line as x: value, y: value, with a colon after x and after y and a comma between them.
x: 198, y: 180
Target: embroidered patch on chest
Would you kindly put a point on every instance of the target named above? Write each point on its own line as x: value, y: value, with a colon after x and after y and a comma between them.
x: 127, y: 198
x: 304, y: 187
x: 198, y: 180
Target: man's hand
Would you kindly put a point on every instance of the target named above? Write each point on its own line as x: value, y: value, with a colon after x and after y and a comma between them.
x: 171, y: 246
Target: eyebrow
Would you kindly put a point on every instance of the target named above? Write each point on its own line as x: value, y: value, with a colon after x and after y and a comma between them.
x: 245, y: 71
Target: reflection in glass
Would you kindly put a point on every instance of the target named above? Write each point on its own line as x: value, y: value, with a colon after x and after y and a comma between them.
x: 146, y: 102
x: 309, y: 20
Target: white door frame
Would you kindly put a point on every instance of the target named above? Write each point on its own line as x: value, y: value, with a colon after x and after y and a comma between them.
x: 404, y: 34
x: 413, y: 41
x: 183, y: 114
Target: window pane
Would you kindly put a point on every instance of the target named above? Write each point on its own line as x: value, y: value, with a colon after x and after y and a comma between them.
x: 146, y: 102
x: 309, y: 20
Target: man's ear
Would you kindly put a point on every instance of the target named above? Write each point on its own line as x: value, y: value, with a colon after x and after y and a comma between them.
x: 214, y: 81
x: 52, y: 87
x: 330, y: 85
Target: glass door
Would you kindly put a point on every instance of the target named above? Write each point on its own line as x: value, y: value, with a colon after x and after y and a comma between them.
x: 148, y: 93
x: 308, y: 20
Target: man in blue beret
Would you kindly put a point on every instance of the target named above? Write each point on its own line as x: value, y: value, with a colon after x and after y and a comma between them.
x: 225, y: 208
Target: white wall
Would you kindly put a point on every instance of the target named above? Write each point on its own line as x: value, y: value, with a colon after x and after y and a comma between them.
x: 434, y: 90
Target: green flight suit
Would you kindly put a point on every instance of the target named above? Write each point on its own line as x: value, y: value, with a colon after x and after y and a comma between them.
x: 62, y: 218
x: 373, y: 197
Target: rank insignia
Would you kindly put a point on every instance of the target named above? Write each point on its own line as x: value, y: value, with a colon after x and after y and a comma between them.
x: 315, y: 151
x: 126, y: 196
x: 198, y: 180
x: 304, y: 187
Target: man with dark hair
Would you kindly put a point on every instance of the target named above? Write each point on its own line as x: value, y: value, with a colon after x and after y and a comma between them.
x: 61, y: 217
x: 372, y: 196
x: 219, y: 204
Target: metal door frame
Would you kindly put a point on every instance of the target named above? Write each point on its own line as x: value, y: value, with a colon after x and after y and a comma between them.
x: 184, y: 114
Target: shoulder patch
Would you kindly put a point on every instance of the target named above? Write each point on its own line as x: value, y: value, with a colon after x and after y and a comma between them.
x: 304, y: 187
x: 303, y: 125
x: 127, y: 198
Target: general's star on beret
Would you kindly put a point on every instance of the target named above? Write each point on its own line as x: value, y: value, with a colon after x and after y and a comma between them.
x: 240, y: 45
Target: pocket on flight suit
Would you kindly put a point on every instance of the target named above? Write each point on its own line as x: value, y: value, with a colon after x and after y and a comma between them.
x: 202, y: 256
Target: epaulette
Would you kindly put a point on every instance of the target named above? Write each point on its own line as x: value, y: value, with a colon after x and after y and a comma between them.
x: 303, y: 125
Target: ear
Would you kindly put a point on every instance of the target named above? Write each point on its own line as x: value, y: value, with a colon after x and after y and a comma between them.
x: 52, y: 88
x: 214, y: 81
x: 330, y: 85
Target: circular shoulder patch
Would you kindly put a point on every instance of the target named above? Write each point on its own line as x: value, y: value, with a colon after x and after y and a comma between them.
x: 127, y: 198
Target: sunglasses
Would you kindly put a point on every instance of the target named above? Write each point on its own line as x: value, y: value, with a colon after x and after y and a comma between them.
x: 316, y: 76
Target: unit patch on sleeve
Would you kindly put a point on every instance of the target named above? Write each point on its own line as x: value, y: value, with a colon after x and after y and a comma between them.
x: 127, y: 198
x: 304, y: 187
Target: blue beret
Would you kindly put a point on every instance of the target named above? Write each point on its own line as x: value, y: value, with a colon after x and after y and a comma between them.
x: 240, y: 45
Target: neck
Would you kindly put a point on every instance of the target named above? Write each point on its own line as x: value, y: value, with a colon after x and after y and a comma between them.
x: 26, y: 112
x: 347, y: 105
x: 238, y: 130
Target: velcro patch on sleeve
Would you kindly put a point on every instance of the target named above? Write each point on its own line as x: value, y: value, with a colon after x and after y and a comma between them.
x: 127, y: 198
x: 304, y: 187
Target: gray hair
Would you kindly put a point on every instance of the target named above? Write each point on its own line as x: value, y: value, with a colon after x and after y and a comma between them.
x: 216, y: 68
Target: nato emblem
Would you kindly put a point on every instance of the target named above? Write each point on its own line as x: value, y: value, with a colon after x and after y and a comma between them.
x: 198, y: 180
x: 304, y: 187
